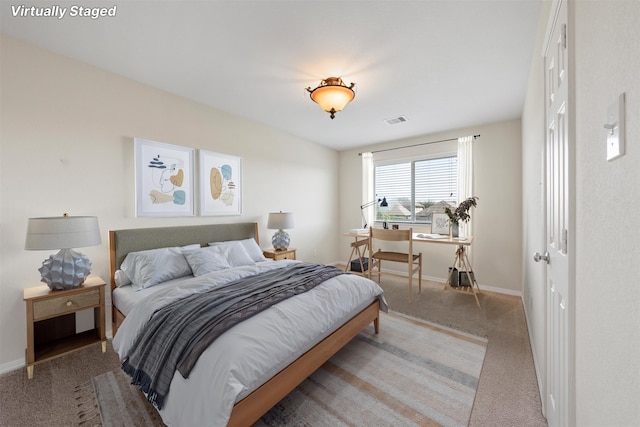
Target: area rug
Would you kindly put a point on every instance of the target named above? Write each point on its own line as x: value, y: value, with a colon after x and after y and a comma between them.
x: 412, y: 373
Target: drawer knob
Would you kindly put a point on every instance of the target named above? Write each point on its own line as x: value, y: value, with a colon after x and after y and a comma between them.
x: 69, y: 303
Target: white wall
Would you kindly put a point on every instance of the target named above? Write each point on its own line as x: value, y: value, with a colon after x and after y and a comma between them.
x: 497, y: 220
x: 67, y: 134
x: 607, y: 63
x: 607, y: 369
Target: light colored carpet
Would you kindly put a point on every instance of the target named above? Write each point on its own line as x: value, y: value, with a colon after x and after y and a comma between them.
x: 49, y: 399
x: 507, y: 393
x: 412, y: 373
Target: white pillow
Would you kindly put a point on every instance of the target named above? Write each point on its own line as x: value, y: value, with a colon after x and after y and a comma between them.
x: 153, y: 266
x: 121, y: 278
x: 237, y: 255
x: 250, y: 246
x: 207, y: 260
x: 255, y: 252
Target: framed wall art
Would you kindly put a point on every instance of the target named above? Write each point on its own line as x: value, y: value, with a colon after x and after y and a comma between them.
x: 220, y: 184
x: 164, y: 179
x: 440, y: 223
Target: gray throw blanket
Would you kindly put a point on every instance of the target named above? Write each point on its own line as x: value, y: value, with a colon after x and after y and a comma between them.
x: 178, y: 333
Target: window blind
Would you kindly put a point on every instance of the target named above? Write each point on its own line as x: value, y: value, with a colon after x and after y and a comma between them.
x: 414, y: 189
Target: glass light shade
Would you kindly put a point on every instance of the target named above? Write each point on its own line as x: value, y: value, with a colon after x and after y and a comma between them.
x: 67, y: 269
x: 332, y: 95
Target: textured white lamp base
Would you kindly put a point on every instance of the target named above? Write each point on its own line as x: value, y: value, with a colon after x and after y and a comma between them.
x: 280, y: 240
x: 65, y: 270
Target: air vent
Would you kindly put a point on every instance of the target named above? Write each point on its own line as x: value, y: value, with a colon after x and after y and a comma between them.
x: 396, y: 120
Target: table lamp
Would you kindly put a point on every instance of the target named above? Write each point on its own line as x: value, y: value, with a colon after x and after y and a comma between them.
x: 67, y: 269
x: 280, y: 221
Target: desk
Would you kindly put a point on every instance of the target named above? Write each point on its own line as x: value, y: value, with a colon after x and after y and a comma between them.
x: 461, y: 262
x: 359, y: 248
x: 360, y: 245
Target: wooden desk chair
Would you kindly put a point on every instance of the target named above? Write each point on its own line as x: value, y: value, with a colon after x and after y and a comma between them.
x: 413, y: 261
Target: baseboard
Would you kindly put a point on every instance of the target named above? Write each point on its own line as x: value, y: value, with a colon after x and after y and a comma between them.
x: 501, y: 290
x: 536, y: 365
x: 442, y: 280
x: 12, y: 366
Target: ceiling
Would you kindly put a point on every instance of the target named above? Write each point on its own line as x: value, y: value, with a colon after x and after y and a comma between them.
x: 443, y: 64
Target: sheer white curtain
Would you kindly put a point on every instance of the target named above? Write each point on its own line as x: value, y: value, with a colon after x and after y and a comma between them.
x: 367, y: 186
x: 465, y: 177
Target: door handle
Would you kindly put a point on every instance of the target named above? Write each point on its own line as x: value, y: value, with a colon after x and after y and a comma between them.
x: 537, y: 257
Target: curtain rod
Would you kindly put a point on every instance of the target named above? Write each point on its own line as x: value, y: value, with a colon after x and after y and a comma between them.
x: 416, y: 145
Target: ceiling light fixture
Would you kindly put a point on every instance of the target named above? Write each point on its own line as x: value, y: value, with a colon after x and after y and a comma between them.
x: 332, y: 95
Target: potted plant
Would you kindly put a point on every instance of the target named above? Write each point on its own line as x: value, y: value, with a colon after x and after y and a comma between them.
x: 460, y: 214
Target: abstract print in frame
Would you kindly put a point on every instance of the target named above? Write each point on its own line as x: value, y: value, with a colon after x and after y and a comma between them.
x: 164, y: 179
x: 220, y: 184
x: 440, y: 223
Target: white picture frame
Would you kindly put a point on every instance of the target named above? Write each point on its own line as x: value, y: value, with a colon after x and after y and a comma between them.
x: 220, y: 184
x: 439, y: 223
x: 164, y: 176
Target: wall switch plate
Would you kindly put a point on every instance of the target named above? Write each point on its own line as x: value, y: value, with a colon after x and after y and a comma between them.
x: 615, y: 129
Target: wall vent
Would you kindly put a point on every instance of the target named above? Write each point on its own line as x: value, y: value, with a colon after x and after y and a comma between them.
x: 396, y: 120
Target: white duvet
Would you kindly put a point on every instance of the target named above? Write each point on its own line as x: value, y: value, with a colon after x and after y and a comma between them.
x: 251, y: 352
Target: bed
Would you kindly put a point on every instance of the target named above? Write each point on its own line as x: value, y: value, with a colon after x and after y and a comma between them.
x: 288, y: 341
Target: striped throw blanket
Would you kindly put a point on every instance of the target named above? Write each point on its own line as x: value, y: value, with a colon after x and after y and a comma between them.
x: 178, y: 333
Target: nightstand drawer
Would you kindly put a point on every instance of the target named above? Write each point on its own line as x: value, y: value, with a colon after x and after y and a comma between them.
x: 280, y: 254
x: 65, y: 304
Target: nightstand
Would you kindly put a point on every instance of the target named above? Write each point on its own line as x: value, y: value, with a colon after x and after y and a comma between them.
x: 51, y: 320
x: 278, y: 254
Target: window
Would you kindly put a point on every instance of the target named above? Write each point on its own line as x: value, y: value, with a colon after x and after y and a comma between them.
x: 415, y: 189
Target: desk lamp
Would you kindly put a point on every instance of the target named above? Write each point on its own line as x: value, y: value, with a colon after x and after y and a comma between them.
x: 67, y: 269
x: 383, y: 204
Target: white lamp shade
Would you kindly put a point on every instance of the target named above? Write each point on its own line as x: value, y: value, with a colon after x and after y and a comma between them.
x: 280, y: 220
x: 64, y: 232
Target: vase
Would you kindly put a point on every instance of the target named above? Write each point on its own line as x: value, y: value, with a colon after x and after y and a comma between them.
x: 454, y: 230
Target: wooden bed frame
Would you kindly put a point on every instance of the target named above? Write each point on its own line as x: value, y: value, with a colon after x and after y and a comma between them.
x: 251, y: 408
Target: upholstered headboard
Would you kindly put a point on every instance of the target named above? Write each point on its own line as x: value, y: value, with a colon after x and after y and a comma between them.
x: 121, y: 242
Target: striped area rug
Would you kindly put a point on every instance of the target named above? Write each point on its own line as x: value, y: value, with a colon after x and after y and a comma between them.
x: 412, y: 373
